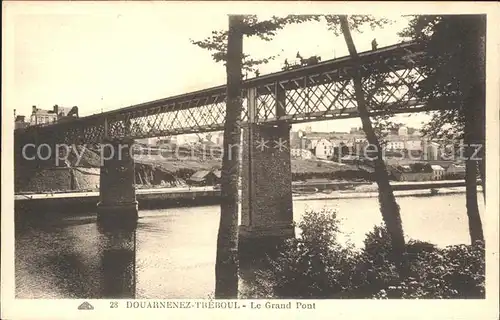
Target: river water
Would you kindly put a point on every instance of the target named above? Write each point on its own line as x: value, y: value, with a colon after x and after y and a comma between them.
x: 173, y: 254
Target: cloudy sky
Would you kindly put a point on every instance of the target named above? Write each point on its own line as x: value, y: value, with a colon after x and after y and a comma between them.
x: 104, y: 58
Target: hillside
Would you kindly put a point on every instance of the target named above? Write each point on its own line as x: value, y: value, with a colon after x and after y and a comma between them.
x: 168, y: 166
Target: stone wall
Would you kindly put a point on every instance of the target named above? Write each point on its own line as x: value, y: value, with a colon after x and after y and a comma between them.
x: 59, y: 179
x: 86, y: 178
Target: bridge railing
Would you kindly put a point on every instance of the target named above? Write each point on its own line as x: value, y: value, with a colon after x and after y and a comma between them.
x: 312, y: 93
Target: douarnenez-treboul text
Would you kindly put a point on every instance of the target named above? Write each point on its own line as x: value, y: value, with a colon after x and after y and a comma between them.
x: 218, y: 305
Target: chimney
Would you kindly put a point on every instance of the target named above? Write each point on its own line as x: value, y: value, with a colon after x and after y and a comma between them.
x: 56, y: 109
x: 34, y: 109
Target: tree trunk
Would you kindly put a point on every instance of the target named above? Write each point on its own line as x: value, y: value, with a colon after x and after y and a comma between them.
x: 482, y: 173
x: 475, y: 225
x: 388, y: 206
x: 481, y: 102
x: 226, y: 265
x: 472, y: 139
x: 473, y: 89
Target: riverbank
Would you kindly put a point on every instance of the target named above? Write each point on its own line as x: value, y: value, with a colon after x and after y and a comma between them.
x: 199, y: 196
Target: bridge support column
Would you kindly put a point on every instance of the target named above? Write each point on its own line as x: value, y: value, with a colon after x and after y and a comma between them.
x: 266, y: 208
x: 117, y: 203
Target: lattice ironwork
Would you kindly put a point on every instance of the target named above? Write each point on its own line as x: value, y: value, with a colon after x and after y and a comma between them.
x: 313, y: 93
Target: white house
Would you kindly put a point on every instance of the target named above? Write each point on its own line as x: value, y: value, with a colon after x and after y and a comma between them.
x: 395, y: 145
x: 403, y: 131
x: 324, y: 149
x: 456, y: 170
x: 217, y: 138
x: 437, y: 172
x: 413, y: 144
x: 301, y: 153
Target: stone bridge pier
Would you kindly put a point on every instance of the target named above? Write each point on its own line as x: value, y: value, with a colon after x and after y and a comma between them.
x: 117, y: 205
x: 266, y: 182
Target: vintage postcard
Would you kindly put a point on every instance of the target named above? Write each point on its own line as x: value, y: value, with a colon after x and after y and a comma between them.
x: 250, y: 159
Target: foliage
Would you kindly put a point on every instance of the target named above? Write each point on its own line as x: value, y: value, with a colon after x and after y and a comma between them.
x: 447, y: 67
x: 264, y: 29
x: 267, y: 29
x: 316, y: 265
x: 355, y: 22
x: 453, y: 272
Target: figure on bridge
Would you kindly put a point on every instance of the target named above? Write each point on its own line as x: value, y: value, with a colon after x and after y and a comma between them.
x: 374, y: 44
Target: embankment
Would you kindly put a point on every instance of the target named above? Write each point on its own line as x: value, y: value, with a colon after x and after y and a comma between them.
x: 82, y: 174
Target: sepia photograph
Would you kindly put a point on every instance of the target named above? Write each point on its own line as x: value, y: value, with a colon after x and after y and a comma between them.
x: 186, y: 155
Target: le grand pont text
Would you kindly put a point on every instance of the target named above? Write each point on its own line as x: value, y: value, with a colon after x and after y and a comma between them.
x: 218, y: 305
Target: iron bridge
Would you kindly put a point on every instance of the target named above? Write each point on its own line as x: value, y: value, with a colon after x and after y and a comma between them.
x: 323, y: 91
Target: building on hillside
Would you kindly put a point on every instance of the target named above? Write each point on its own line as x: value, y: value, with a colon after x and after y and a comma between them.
x: 413, y: 144
x: 437, y: 172
x: 412, y: 172
x: 188, y: 139
x: 301, y: 153
x: 397, y: 142
x: 203, y: 178
x: 455, y: 171
x: 431, y: 150
x: 20, y: 122
x: 295, y: 139
x: 394, y: 142
x: 217, y: 138
x: 403, y: 131
x: 40, y: 116
x: 323, y: 149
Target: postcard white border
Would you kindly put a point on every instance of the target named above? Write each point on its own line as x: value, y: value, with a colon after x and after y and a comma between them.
x: 345, y: 309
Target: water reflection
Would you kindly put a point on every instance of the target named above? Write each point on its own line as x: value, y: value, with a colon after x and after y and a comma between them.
x: 171, y: 252
x: 117, y: 253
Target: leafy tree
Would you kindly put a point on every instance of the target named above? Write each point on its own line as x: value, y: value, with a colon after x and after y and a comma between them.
x: 252, y: 26
x: 226, y: 265
x: 454, y: 70
x: 338, y: 24
x: 227, y: 47
x: 388, y: 205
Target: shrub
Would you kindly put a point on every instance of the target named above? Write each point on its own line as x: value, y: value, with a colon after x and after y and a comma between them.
x: 316, y: 265
x: 453, y: 272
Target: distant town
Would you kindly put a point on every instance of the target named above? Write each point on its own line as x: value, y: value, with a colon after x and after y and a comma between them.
x: 409, y: 155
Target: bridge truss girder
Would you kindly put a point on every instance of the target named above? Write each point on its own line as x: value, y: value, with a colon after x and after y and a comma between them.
x: 321, y: 92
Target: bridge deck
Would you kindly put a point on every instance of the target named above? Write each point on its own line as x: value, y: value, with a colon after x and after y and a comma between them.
x: 311, y: 93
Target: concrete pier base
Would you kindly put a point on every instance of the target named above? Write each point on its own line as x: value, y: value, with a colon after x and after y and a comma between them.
x: 118, y: 204
x: 266, y: 208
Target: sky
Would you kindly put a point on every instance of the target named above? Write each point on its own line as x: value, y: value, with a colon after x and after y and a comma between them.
x: 102, y: 60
